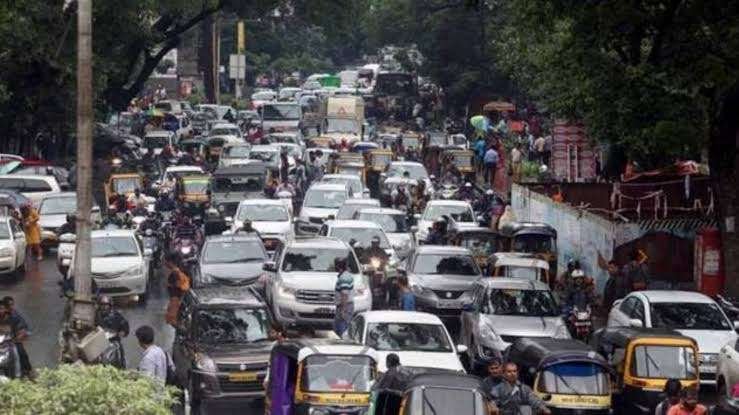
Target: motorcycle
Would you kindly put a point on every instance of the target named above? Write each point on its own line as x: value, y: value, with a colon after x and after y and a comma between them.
x: 581, y: 323
x: 187, y: 254
x: 64, y: 253
x: 9, y: 366
x: 150, y: 239
x: 447, y: 191
x: 113, y: 354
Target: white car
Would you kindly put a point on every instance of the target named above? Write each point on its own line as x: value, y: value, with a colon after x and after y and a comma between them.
x: 690, y: 313
x: 269, y: 155
x: 352, y: 206
x: 394, y: 223
x: 361, y: 232
x: 354, y: 182
x: 170, y: 175
x: 419, y: 339
x: 234, y: 154
x: 31, y: 186
x: 458, y: 210
x: 53, y: 210
x: 321, y: 201
x: 225, y: 130
x: 12, y: 246
x: 270, y: 217
x: 119, y: 265
x: 155, y: 141
x: 727, y: 370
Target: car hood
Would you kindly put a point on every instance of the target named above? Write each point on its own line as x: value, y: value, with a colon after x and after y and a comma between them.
x: 445, y: 360
x: 321, y: 281
x: 399, y: 240
x: 444, y: 282
x: 311, y: 212
x: 230, y: 197
x: 710, y: 341
x: 52, y: 221
x: 113, y: 265
x: 250, y: 353
x: 521, y: 326
x: 272, y: 228
x: 238, y: 272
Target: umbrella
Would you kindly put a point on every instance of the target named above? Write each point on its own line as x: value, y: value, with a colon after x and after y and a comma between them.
x: 481, y: 123
x: 500, y: 106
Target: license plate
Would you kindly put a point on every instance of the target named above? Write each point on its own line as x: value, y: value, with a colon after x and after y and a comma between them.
x: 323, y: 310
x: 242, y: 377
x: 449, y: 304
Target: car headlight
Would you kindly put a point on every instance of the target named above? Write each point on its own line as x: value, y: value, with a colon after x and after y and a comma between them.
x: 487, y: 333
x: 562, y: 332
x: 185, y: 250
x: 420, y: 290
x: 286, y: 291
x: 204, y: 363
x: 7, y: 251
x: 132, y: 272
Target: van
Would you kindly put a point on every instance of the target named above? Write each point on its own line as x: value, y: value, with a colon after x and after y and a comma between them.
x: 30, y: 186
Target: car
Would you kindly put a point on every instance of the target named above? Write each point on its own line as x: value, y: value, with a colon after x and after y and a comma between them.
x: 727, y: 369
x: 233, y: 184
x: 262, y: 97
x: 224, y: 129
x: 503, y: 310
x: 301, y: 282
x: 359, y: 234
x: 171, y: 173
x: 395, y: 224
x: 155, y: 141
x: 458, y: 210
x: 419, y: 339
x: 441, y: 278
x: 221, y: 345
x: 394, y: 175
x: 61, y: 174
x: 690, y: 313
x: 270, y: 217
x: 321, y: 201
x: 288, y: 138
x: 358, y: 189
x: 269, y: 155
x: 352, y: 206
x: 119, y: 265
x: 53, y: 210
x: 33, y: 187
x: 234, y: 259
x: 288, y: 94
x: 169, y: 106
x: 233, y: 153
x: 12, y: 247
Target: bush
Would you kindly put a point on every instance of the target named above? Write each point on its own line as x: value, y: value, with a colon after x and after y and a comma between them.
x: 86, y: 390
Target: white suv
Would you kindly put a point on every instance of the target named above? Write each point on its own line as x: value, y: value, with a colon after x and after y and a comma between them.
x: 12, y: 246
x: 302, y: 279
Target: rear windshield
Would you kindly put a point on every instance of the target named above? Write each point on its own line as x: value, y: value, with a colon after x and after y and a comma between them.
x: 317, y: 260
x: 663, y: 362
x: 445, y: 264
x: 238, y: 183
x: 574, y: 379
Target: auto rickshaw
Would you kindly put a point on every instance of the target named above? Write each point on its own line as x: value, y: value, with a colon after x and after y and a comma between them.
x: 123, y: 184
x: 643, y: 360
x: 379, y: 159
x: 319, y: 376
x: 535, y: 238
x: 482, y: 243
x: 568, y: 375
x: 432, y: 392
x: 412, y: 140
x: 519, y: 265
x: 464, y: 161
x: 196, y: 144
x: 193, y: 192
x: 320, y: 142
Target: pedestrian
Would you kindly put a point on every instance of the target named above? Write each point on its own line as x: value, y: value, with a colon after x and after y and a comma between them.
x: 407, y: 298
x: 688, y: 404
x: 507, y: 217
x: 495, y: 374
x: 510, y: 394
x: 479, y: 148
x: 344, y: 297
x: 491, y: 164
x: 615, y: 288
x: 393, y: 376
x: 154, y: 362
x: 19, y: 330
x: 516, y: 162
x: 178, y: 284
x: 539, y: 146
x: 672, y: 390
x: 635, y: 271
x: 32, y: 230
x: 548, y: 149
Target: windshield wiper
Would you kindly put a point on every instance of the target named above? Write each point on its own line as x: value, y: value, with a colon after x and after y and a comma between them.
x: 560, y: 377
x: 428, y: 402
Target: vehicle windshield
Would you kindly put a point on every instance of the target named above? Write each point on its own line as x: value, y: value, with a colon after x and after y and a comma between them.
x: 663, y: 362
x: 527, y: 303
x: 479, y: 245
x: 263, y: 96
x: 460, y: 213
x: 281, y: 138
x: 323, y: 373
x: 58, y: 205
x: 437, y: 401
x: 342, y: 125
x: 354, y: 183
x: 111, y: 246
x: 250, y: 183
x: 231, y: 325
x: 4, y: 231
x: 195, y: 186
x: 265, y: 156
x: 155, y: 141
x: 574, y: 378
x: 381, y: 159
x: 317, y: 260
x: 394, y: 84
x: 280, y: 112
x: 390, y: 223
x: 235, y: 152
x: 126, y: 185
x: 327, y: 199
x: 437, y: 139
x: 263, y: 213
x: 233, y: 252
x: 225, y: 131
x: 688, y: 316
x: 408, y: 337
x: 526, y: 273
x: 532, y: 243
x: 462, y: 160
x: 416, y: 171
x: 445, y: 264
x: 410, y: 142
x: 361, y: 237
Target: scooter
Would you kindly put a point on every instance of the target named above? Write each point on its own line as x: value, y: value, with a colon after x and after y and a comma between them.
x: 581, y: 323
x: 9, y: 366
x: 187, y: 254
x: 113, y: 354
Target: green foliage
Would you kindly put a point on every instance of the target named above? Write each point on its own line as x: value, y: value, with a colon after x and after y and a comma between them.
x: 86, y: 390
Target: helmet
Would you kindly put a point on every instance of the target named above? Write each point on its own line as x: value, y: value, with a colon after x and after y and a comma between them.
x: 468, y: 184
x: 489, y: 192
x: 432, y: 177
x: 70, y: 217
x: 104, y: 299
x: 578, y: 273
x: 543, y: 168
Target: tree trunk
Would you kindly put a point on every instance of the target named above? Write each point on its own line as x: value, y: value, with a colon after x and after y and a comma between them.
x: 723, y: 159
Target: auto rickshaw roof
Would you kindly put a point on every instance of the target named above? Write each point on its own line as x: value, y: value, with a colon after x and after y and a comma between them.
x: 539, y: 353
x: 430, y: 378
x: 476, y: 231
x: 525, y: 228
x: 118, y: 176
x: 196, y: 140
x: 519, y: 259
x: 195, y: 177
x: 257, y: 167
x: 300, y: 349
x: 622, y: 336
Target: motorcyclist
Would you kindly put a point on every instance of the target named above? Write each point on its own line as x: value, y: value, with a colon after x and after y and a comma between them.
x: 69, y: 226
x: 187, y: 230
x: 450, y: 177
x: 247, y: 228
x: 165, y: 202
x: 565, y: 280
x: 137, y: 199
x: 438, y: 233
x: 285, y: 186
x: 580, y: 293
x: 401, y: 198
x: 374, y: 251
x: 18, y: 330
x: 466, y: 192
x: 151, y: 222
x: 111, y: 320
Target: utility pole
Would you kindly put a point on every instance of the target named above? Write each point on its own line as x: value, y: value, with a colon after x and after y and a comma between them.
x: 83, y: 311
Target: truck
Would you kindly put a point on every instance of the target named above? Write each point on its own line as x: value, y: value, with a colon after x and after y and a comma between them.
x: 280, y: 117
x: 344, y: 118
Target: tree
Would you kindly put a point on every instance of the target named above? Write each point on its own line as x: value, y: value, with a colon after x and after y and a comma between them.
x: 86, y: 390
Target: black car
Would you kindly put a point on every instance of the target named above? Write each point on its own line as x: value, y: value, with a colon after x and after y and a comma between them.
x: 229, y: 186
x: 221, y: 346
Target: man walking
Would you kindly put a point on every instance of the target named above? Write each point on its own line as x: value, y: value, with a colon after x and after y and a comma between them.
x: 343, y: 292
x: 491, y: 164
x: 154, y: 362
x: 516, y: 160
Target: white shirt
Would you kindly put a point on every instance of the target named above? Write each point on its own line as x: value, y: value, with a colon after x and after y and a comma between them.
x: 154, y: 363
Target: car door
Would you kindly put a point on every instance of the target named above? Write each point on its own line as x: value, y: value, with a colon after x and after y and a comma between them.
x: 621, y: 312
x: 19, y: 240
x: 729, y: 365
x: 638, y: 312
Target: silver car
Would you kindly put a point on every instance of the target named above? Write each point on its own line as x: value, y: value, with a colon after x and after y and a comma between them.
x: 394, y: 223
x: 504, y: 309
x: 441, y: 278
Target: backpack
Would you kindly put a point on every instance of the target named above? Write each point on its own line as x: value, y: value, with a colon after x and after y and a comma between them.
x: 171, y: 379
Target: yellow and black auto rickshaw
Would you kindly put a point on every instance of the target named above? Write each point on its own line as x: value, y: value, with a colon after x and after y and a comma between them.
x: 319, y: 376
x: 464, y: 161
x: 535, y: 238
x: 568, y: 375
x: 482, y: 243
x: 123, y: 184
x: 643, y: 360
x: 193, y: 192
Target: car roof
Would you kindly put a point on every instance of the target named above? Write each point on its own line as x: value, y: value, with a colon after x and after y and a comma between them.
x: 318, y: 242
x: 340, y: 176
x: 28, y: 176
x: 268, y: 202
x: 232, y: 237
x: 224, y: 125
x: 328, y: 186
x: 226, y: 295
x: 361, y: 202
x: 349, y: 223
x: 102, y: 233
x: 176, y: 169
x: 443, y: 249
x: 447, y: 203
x: 390, y: 316
x: 56, y: 195
x: 513, y: 283
x: 381, y: 210
x: 263, y: 147
x: 675, y: 296
x: 406, y: 163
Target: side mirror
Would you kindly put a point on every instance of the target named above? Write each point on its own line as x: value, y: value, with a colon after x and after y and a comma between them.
x: 636, y: 323
x: 68, y: 238
x: 480, y: 218
x: 366, y: 268
x: 414, y: 229
x: 461, y: 348
x: 269, y: 266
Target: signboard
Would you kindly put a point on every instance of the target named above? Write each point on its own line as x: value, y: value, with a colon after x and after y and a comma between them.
x: 573, y: 157
x: 240, y: 37
x: 236, y: 66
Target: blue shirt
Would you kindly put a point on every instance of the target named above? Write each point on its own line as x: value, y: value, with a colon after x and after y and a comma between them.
x: 408, y: 301
x: 480, y: 148
x: 491, y: 156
